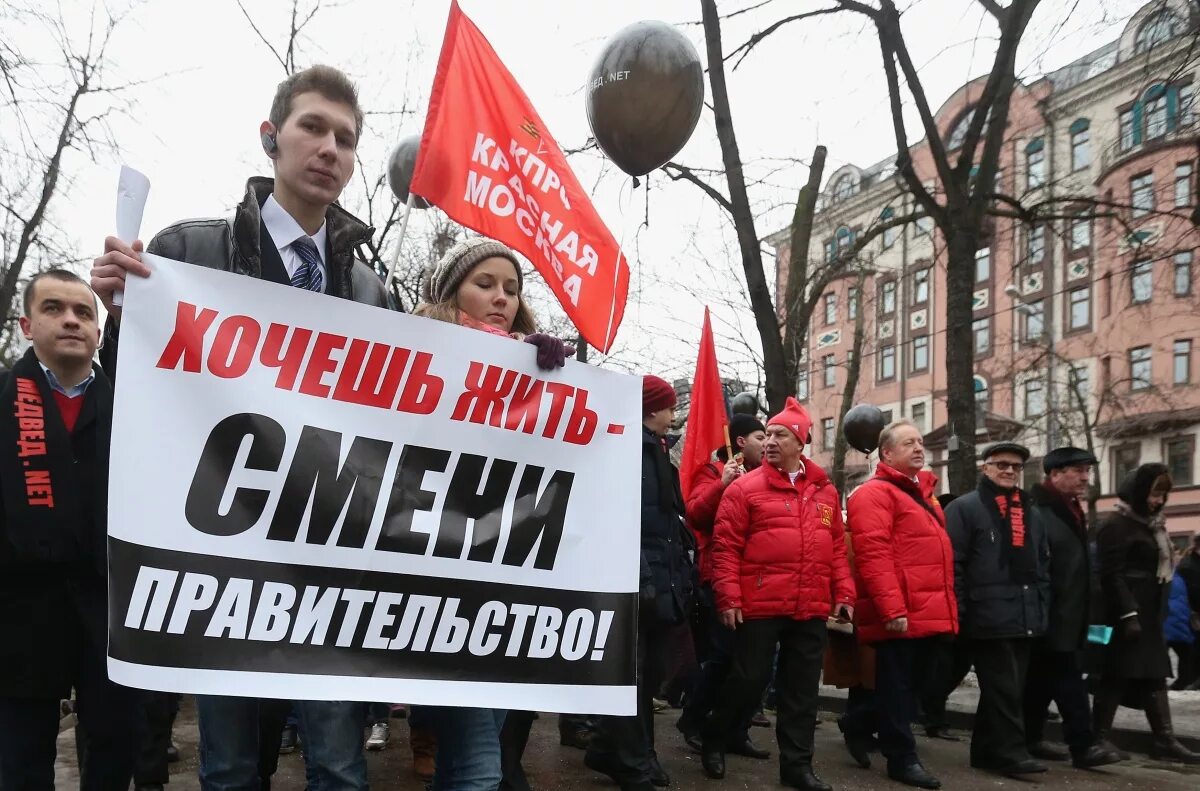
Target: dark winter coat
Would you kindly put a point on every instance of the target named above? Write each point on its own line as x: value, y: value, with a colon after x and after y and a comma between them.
x: 991, y: 605
x: 904, y: 564
x: 235, y: 245
x: 1178, y: 628
x: 1189, y: 569
x: 48, y: 609
x: 779, y: 549
x: 667, y: 545
x: 1070, y: 571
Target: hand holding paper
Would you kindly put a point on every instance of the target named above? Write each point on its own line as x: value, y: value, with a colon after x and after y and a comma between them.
x: 132, y: 190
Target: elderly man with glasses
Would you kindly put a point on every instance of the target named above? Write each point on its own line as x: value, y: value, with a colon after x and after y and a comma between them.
x: 1002, y: 582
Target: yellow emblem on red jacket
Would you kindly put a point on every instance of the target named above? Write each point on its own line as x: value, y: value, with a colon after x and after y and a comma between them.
x: 826, y: 512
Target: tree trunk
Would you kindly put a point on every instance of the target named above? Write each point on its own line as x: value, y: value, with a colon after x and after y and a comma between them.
x: 797, y: 311
x: 853, y: 371
x: 761, y: 303
x: 960, y: 360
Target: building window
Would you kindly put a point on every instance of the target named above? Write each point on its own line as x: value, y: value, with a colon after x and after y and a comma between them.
x: 1036, y: 246
x: 829, y: 370
x: 1141, y: 194
x: 844, y: 187
x: 1035, y: 321
x: 1183, y: 184
x: 1079, y: 380
x: 1178, y: 453
x: 802, y: 385
x: 982, y: 330
x: 1155, y: 110
x: 920, y: 353
x: 1035, y: 163
x: 1187, y: 111
x: 1161, y: 109
x: 1081, y: 144
x: 1158, y: 27
x: 1182, y: 362
x: 887, y: 362
x: 828, y: 437
x: 1035, y: 398
x: 1125, y: 459
x: 889, y: 234
x: 983, y: 400
x: 983, y: 264
x: 830, y: 308
x: 1080, y: 308
x: 1141, y: 281
x: 844, y: 238
x: 887, y: 298
x: 1139, y: 368
x: 1183, y: 273
x: 852, y: 303
x: 1129, y: 136
x: 921, y: 286
x: 1081, y: 233
x: 918, y: 416
x: 923, y: 227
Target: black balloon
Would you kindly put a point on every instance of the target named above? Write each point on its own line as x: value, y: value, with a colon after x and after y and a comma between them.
x: 401, y: 165
x: 744, y: 404
x: 644, y: 96
x: 862, y: 426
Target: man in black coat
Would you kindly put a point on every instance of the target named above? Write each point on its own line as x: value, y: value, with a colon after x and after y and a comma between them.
x: 1055, y: 667
x: 55, y: 421
x: 623, y: 747
x: 1002, y: 581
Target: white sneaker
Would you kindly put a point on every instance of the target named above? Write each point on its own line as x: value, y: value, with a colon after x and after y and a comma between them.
x: 380, y: 732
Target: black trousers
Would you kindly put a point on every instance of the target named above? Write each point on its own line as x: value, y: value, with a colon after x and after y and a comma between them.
x: 899, y: 668
x: 628, y: 742
x: 1001, y: 666
x: 109, y: 726
x: 801, y: 651
x: 861, y: 717
x: 1058, y: 676
x: 948, y: 663
x: 714, y: 650
x: 158, y: 712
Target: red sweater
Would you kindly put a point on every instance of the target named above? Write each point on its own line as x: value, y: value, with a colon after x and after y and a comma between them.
x: 69, y: 408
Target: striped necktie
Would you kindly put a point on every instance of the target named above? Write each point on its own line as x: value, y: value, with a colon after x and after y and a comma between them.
x: 308, y: 274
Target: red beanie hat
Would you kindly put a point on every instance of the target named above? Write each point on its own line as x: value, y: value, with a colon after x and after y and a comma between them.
x: 795, y: 419
x: 656, y: 394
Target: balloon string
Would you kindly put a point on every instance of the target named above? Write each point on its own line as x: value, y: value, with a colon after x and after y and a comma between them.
x: 624, y: 200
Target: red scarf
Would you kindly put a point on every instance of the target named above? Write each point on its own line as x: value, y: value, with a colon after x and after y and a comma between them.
x: 1017, y: 520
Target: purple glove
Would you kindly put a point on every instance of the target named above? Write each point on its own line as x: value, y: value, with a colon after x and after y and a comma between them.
x: 551, y: 352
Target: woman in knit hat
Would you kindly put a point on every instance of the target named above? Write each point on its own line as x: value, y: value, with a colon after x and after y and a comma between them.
x: 477, y: 284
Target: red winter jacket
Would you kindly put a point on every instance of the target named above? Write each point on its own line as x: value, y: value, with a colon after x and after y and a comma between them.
x: 702, y: 513
x: 779, y: 549
x: 903, y: 560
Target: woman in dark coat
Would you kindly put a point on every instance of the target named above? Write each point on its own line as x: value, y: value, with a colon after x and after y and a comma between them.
x: 1135, y: 577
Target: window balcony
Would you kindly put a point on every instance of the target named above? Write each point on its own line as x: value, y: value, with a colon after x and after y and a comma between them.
x: 1121, y: 151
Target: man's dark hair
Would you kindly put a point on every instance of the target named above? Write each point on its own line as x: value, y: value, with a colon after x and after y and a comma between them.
x: 325, y: 80
x: 63, y: 275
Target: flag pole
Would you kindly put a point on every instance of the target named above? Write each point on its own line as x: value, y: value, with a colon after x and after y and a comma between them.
x: 728, y: 445
x: 400, y: 241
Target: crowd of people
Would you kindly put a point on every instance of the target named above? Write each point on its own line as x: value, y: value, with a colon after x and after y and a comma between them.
x: 761, y: 569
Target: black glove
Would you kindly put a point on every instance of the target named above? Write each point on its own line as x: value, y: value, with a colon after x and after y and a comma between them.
x: 1130, y: 628
x: 551, y: 352
x: 647, y: 594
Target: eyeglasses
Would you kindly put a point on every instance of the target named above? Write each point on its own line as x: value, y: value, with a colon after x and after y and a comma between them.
x: 1005, y: 466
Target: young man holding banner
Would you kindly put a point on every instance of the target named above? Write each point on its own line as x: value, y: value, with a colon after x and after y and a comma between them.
x: 289, y: 231
x: 54, y: 431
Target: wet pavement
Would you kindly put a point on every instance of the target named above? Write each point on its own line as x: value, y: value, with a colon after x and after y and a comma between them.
x: 552, y: 766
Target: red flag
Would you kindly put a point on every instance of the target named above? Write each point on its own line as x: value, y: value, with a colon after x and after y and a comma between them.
x: 707, y: 419
x: 488, y: 161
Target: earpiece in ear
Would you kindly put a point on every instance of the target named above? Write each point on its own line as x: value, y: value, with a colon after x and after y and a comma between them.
x: 269, y: 145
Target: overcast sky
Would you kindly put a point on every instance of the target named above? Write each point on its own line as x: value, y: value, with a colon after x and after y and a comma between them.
x: 195, y: 128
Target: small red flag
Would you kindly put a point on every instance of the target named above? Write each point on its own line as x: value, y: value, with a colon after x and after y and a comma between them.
x: 490, y: 163
x: 707, y: 418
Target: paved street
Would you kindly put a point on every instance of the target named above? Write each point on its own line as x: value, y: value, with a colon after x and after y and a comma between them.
x: 551, y: 766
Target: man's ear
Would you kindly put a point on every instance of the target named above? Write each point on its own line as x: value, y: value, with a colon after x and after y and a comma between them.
x: 24, y: 322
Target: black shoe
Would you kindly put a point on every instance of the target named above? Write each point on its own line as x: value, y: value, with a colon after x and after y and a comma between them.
x: 942, y: 732
x: 1047, y: 752
x: 806, y: 780
x: 691, y: 736
x: 1094, y: 756
x: 746, y: 748
x: 914, y: 775
x: 1027, y: 766
x: 172, y: 753
x: 658, y: 775
x: 859, y: 749
x: 713, y: 763
x: 579, y: 738
x: 288, y: 743
x: 148, y: 787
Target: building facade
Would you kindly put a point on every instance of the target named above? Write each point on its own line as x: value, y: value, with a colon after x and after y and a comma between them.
x: 1085, y: 324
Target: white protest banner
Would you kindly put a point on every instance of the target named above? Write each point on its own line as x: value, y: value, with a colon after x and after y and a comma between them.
x: 313, y: 499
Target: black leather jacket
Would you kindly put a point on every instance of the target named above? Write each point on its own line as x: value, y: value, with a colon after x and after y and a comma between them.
x: 232, y: 244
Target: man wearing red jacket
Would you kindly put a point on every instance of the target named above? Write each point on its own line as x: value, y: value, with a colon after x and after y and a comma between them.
x: 714, y: 641
x: 904, y: 572
x: 779, y: 572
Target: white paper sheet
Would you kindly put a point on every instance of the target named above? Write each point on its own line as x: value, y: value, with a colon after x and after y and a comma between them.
x: 133, y: 188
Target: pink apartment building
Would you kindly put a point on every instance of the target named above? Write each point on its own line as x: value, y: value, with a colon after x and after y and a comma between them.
x: 1085, y: 325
